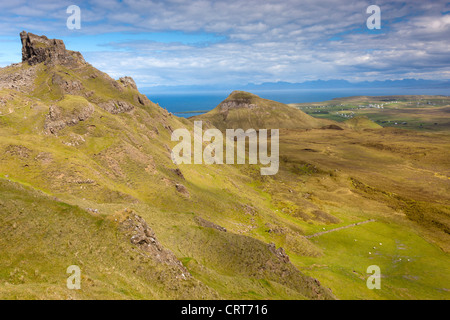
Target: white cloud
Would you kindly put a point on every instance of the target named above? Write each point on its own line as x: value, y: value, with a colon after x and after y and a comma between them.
x: 265, y: 40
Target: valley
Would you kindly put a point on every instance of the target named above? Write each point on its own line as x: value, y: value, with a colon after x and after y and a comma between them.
x: 87, y: 179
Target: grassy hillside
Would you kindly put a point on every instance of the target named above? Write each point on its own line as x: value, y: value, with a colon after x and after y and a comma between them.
x: 79, y: 152
x: 330, y: 179
x: 245, y: 110
x: 86, y: 178
x: 395, y: 177
x: 361, y: 123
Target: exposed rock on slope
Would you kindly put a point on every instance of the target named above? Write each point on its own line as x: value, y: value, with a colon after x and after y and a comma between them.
x: 143, y: 237
x: 115, y: 106
x: 280, y: 253
x: 68, y: 86
x: 18, y: 78
x: 56, y: 121
x: 182, y: 190
x: 226, y: 106
x: 128, y: 82
x: 208, y: 224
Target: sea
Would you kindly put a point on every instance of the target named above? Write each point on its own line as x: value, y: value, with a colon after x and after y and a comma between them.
x: 188, y: 104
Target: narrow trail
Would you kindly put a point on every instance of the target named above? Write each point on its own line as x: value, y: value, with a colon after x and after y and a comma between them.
x: 11, y: 110
x: 340, y: 228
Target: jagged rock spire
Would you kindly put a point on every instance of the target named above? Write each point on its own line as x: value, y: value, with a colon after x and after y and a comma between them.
x: 37, y: 49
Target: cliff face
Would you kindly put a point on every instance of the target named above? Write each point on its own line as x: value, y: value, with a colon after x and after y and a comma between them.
x: 37, y: 49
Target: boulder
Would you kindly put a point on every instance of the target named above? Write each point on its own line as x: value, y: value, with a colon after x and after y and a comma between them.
x: 182, y: 189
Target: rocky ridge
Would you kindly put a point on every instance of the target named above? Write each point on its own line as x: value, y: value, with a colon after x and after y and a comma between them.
x: 37, y: 49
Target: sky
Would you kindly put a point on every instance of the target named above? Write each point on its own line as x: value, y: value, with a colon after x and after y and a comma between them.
x: 207, y: 42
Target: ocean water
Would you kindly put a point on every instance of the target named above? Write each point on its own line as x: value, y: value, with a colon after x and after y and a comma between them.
x: 191, y: 101
x: 204, y: 101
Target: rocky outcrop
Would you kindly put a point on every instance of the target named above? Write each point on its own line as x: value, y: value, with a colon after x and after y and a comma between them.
x: 182, y: 190
x: 235, y: 104
x: 141, y: 99
x: 19, y: 151
x: 178, y: 172
x: 66, y: 85
x: 238, y: 100
x: 56, y: 120
x: 227, y: 105
x: 280, y: 253
x: 128, y: 82
x: 17, y: 78
x: 276, y: 229
x: 37, y: 49
x: 208, y: 224
x: 143, y: 237
x: 116, y: 106
x: 249, y: 210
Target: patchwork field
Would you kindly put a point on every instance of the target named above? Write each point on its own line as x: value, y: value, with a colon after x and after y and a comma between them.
x: 426, y: 113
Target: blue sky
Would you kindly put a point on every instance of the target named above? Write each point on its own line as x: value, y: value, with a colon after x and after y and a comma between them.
x: 204, y: 42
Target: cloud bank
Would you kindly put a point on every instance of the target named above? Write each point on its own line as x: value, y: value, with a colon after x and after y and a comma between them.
x: 178, y: 42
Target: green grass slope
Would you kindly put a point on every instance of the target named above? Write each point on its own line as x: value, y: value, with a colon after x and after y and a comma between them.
x: 81, y: 153
x: 79, y: 150
x: 245, y: 110
x: 361, y: 123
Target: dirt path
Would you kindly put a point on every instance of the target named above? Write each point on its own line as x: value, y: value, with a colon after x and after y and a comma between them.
x: 11, y: 110
x: 340, y: 228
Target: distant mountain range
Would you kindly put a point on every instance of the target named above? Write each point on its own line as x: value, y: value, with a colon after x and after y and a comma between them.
x: 316, y: 84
